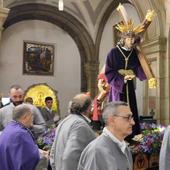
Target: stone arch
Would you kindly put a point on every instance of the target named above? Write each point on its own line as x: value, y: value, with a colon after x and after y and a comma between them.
x: 67, y: 22
x: 113, y: 5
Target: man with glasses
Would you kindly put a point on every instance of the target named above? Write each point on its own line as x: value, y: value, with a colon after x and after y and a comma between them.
x: 109, y: 151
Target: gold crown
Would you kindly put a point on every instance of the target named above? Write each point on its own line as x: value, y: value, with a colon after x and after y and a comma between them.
x: 128, y: 26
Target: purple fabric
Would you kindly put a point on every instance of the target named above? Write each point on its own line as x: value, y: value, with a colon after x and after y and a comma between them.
x: 116, y: 61
x: 140, y: 74
x: 18, y: 150
x: 118, y: 89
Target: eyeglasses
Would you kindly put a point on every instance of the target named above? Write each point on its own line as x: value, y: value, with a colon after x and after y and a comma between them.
x: 129, y: 117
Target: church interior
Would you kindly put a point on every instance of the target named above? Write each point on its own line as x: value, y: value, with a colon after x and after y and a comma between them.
x: 75, y: 36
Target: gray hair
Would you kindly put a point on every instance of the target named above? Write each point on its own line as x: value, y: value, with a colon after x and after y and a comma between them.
x: 21, y: 110
x: 79, y: 104
x: 111, y: 109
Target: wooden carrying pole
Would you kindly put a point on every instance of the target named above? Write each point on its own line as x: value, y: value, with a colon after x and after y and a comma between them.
x: 147, y: 70
x: 146, y: 67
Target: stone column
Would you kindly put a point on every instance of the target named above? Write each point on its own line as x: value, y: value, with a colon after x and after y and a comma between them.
x: 3, y: 15
x: 91, y: 72
x: 164, y: 63
x: 156, y: 54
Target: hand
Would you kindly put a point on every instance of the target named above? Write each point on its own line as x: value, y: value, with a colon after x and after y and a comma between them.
x: 44, y: 153
x: 129, y: 77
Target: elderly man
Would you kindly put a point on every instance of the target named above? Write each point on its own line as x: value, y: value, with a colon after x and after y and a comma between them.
x: 72, y: 135
x: 109, y: 150
x: 17, y: 96
x: 17, y: 146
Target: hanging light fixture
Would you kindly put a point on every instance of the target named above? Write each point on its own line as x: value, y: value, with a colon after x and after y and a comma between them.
x: 60, y: 5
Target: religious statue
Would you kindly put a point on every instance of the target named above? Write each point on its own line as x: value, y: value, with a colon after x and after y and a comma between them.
x: 126, y: 61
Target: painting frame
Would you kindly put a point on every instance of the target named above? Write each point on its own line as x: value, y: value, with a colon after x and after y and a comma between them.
x: 38, y: 58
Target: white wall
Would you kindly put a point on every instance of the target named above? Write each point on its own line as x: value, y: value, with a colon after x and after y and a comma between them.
x: 67, y: 57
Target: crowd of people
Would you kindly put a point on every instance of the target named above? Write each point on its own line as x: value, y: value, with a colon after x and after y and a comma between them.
x: 21, y: 122
x: 76, y: 145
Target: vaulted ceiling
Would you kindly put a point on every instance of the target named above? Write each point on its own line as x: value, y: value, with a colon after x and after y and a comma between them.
x: 90, y: 12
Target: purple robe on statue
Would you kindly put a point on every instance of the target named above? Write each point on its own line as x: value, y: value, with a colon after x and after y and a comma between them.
x: 18, y: 150
x: 118, y: 88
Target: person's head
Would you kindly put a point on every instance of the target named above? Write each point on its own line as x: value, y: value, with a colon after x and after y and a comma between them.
x: 118, y: 119
x: 29, y: 100
x: 80, y: 104
x: 16, y: 94
x: 23, y: 114
x: 49, y: 102
x: 127, y: 39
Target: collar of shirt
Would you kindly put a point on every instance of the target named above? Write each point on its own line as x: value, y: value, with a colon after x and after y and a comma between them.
x: 50, y: 110
x: 126, y: 49
x: 12, y: 105
x: 87, y: 119
x: 122, y: 144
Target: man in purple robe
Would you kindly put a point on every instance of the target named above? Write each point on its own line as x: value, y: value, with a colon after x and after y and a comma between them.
x: 122, y: 66
x: 18, y: 150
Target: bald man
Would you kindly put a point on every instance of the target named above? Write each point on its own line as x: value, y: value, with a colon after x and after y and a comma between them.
x: 73, y: 134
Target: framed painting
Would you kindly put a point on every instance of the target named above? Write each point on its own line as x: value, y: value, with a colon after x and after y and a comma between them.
x: 38, y: 58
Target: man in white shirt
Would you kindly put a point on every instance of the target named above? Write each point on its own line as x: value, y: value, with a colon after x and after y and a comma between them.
x: 109, y: 151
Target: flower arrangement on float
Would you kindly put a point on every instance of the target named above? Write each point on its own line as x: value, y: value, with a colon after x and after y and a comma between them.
x: 46, y: 139
x: 150, y: 140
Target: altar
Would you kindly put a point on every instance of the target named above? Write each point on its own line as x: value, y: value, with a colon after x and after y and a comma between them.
x: 146, y: 147
x: 144, y: 161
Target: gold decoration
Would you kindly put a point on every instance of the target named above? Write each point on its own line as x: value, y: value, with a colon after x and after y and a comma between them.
x: 150, y: 14
x: 126, y: 72
x: 128, y: 25
x: 123, y: 27
x: 39, y: 92
x: 152, y: 83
